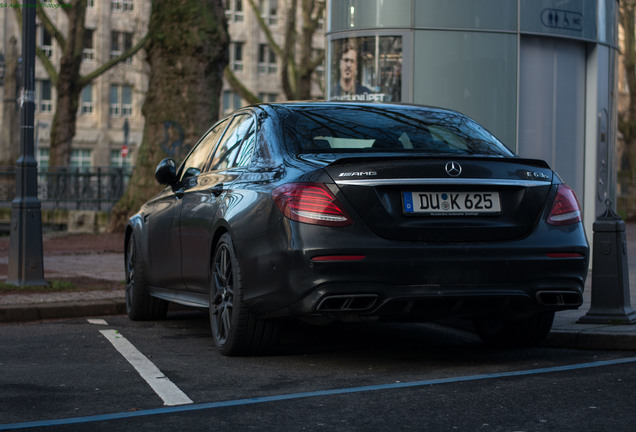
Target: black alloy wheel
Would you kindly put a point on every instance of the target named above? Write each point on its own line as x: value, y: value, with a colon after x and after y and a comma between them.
x: 236, y: 331
x: 222, y: 295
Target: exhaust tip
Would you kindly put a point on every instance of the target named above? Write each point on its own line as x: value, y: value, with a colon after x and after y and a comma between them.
x: 347, y: 303
x: 566, y: 299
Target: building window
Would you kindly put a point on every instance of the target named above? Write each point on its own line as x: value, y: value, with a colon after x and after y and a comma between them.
x: 42, y: 157
x: 126, y: 101
x: 237, y: 56
x: 86, y: 107
x: 269, y: 11
x: 89, y: 46
x: 231, y: 101
x: 117, y: 160
x: 115, y: 106
x: 234, y: 10
x: 121, y: 5
x: 115, y: 44
x: 44, y: 95
x: 120, y: 42
x: 267, y: 97
x: 266, y: 60
x: 46, y: 42
x: 120, y: 100
x: 81, y: 159
x: 320, y: 69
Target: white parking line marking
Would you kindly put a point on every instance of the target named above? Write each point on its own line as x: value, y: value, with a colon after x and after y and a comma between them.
x: 165, y: 389
x: 97, y: 321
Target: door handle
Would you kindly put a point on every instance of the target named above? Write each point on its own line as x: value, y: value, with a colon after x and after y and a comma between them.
x: 217, y: 189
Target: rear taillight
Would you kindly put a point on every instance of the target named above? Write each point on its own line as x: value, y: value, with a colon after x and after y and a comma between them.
x: 565, y: 209
x: 310, y: 203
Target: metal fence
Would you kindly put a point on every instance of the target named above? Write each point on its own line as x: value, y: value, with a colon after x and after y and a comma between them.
x: 71, y: 188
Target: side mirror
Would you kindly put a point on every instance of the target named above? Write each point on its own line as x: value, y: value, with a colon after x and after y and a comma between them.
x: 166, y: 172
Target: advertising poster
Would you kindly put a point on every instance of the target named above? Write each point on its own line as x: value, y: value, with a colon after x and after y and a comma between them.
x: 366, y: 69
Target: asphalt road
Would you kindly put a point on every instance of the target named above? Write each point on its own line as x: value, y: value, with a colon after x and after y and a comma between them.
x: 113, y: 374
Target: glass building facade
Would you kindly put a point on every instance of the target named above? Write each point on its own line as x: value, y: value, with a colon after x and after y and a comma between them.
x: 539, y: 74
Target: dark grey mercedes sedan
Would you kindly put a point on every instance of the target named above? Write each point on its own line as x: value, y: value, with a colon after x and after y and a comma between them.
x: 350, y: 211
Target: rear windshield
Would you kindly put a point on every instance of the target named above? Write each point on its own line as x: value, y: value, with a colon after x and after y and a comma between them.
x: 338, y: 129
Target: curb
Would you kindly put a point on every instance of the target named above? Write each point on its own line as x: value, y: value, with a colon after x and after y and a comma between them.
x: 584, y: 339
x: 590, y: 341
x: 61, y: 310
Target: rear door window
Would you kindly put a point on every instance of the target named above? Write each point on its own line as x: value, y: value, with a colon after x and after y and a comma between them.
x: 197, y: 160
x: 228, y: 148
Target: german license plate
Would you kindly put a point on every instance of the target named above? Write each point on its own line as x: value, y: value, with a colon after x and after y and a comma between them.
x: 451, y: 203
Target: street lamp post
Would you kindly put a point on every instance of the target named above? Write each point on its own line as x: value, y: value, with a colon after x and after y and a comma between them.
x: 124, y: 147
x: 25, y: 242
x: 3, y: 68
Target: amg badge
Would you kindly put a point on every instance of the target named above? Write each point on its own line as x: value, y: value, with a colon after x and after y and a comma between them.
x: 358, y: 174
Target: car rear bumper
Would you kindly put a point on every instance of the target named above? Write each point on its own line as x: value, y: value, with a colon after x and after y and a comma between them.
x: 401, y: 280
x: 423, y: 302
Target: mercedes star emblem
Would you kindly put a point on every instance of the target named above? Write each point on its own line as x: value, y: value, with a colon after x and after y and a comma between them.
x: 453, y: 169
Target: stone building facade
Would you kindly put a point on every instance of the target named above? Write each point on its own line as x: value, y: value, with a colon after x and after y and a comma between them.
x: 110, y: 114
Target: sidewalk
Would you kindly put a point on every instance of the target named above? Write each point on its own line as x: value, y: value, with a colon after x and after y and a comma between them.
x: 68, y: 304
x: 566, y: 332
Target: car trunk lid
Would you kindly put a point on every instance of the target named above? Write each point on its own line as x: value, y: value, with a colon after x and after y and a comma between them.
x: 445, y: 199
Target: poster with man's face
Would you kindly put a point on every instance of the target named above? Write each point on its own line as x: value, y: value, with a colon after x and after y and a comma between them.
x: 366, y: 69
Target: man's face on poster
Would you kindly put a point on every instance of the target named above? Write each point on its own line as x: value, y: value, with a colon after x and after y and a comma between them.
x: 348, y: 65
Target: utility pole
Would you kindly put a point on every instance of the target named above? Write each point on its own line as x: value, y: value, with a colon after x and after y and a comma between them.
x: 25, y: 242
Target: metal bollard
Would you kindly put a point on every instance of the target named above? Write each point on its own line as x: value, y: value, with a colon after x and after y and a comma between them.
x: 610, y: 273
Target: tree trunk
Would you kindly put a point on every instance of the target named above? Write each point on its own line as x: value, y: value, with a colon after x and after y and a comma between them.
x: 187, y: 52
x: 307, y: 63
x: 69, y: 87
x: 295, y: 75
x: 10, y: 138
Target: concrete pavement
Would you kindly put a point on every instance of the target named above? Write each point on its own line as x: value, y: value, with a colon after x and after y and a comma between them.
x: 566, y: 332
x: 55, y: 305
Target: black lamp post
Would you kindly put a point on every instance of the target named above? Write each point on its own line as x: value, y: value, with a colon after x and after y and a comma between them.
x: 3, y: 69
x: 25, y: 242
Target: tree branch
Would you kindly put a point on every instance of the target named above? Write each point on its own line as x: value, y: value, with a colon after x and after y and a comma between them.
x: 289, y: 72
x: 263, y: 25
x: 48, y: 66
x: 50, y: 27
x: 312, y: 12
x: 238, y: 87
x: 113, y: 62
x: 41, y: 55
x: 317, y: 61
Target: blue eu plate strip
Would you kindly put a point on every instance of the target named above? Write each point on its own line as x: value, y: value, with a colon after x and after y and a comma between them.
x: 408, y: 202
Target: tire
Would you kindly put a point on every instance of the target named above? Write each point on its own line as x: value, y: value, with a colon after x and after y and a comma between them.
x: 515, y: 333
x: 235, y: 330
x: 140, y: 305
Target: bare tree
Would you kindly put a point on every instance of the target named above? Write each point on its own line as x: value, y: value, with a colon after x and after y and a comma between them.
x: 66, y: 78
x: 299, y: 61
x: 187, y: 51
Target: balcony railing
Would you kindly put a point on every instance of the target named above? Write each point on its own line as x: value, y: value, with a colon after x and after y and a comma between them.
x: 71, y: 188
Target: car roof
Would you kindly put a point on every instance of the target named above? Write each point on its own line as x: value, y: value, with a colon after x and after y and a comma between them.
x: 396, y: 106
